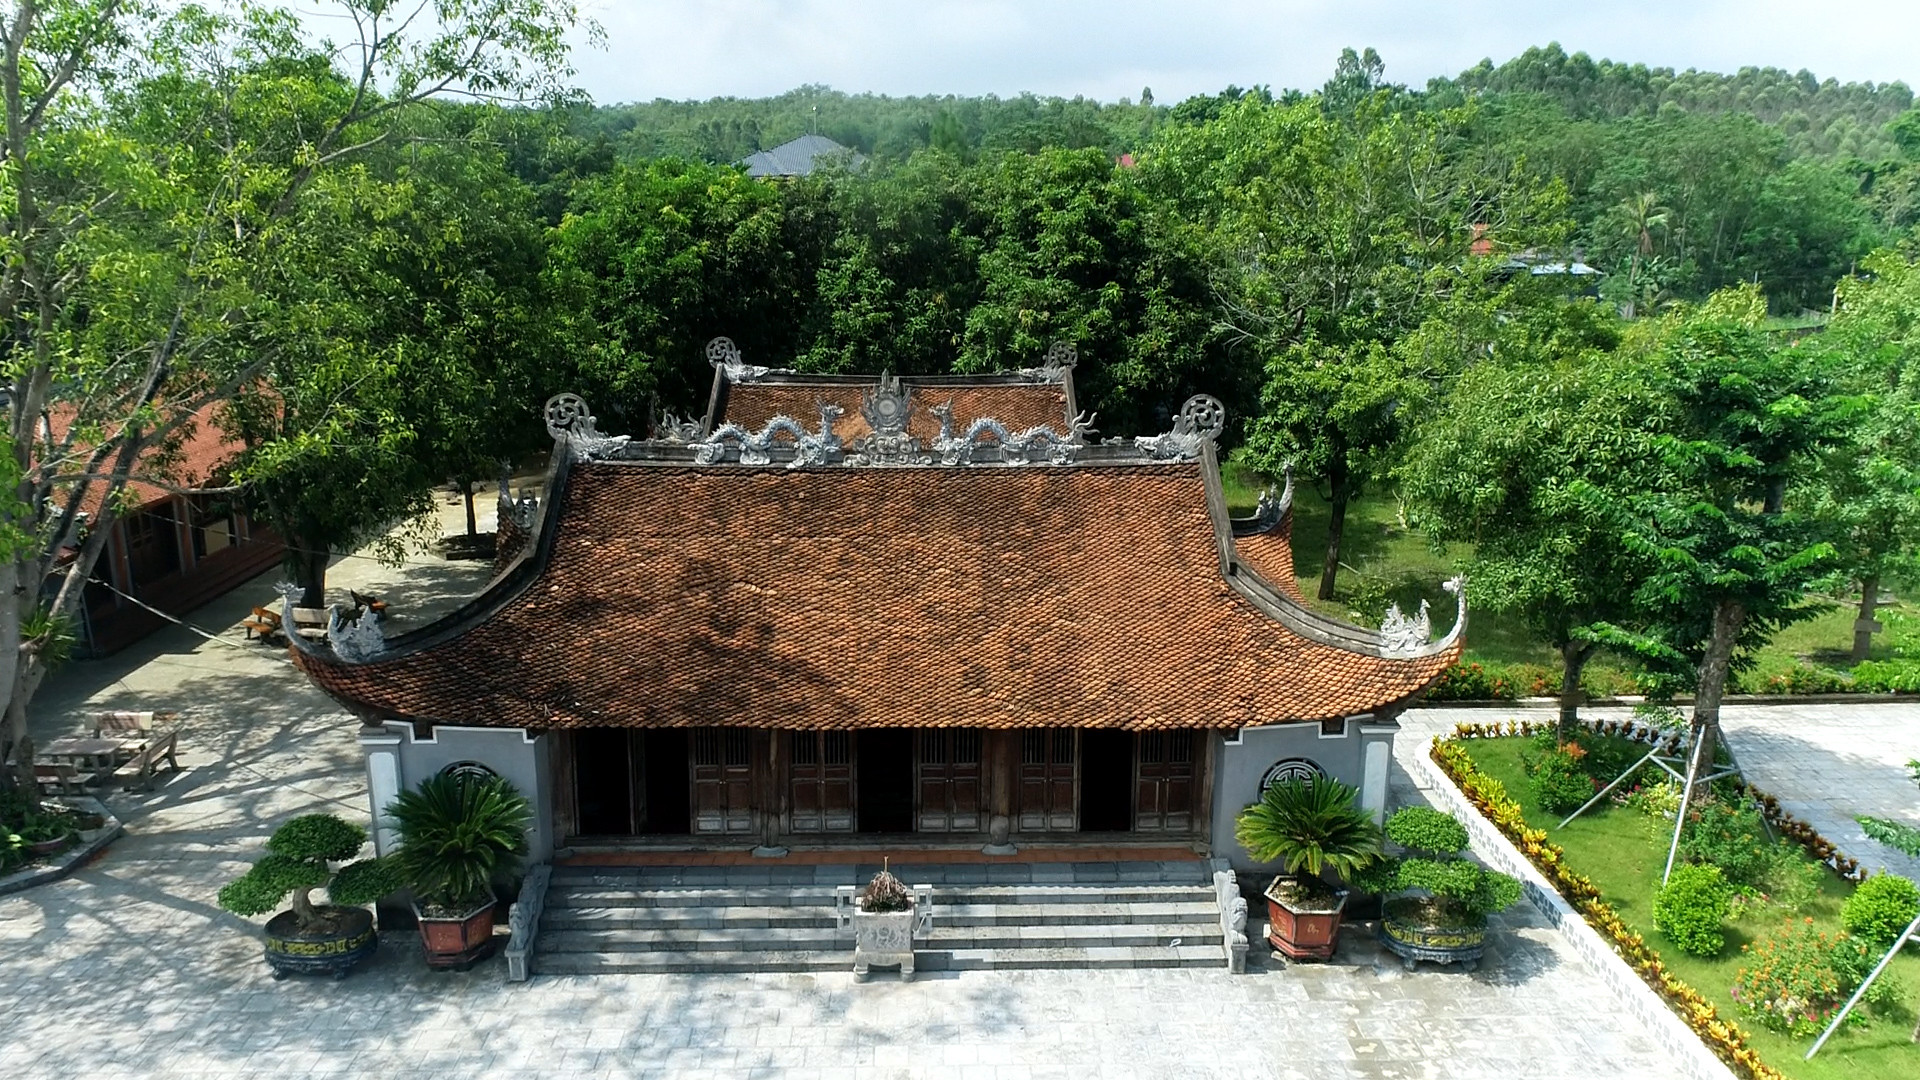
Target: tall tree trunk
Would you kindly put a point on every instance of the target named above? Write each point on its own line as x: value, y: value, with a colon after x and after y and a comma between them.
x: 473, y: 529
x: 14, y: 737
x: 310, y: 573
x: 1336, y: 523
x: 1573, y: 660
x: 1864, y: 626
x: 1728, y: 617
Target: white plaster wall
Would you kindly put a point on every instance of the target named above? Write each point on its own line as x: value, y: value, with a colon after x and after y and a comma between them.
x: 1245, y: 760
x: 511, y: 752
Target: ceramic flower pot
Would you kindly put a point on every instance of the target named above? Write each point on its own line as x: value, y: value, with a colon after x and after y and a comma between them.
x: 1407, y: 929
x: 1300, y: 928
x: 457, y: 941
x: 344, y: 938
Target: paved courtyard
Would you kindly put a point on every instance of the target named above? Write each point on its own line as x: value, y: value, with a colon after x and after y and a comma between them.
x: 127, y: 968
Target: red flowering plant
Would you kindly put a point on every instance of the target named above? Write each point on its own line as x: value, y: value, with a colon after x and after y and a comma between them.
x: 1796, y: 980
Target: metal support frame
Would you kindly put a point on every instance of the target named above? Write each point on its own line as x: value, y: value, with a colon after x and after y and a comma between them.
x: 1911, y: 929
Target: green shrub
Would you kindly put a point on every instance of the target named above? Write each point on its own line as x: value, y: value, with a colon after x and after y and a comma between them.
x: 1887, y: 676
x: 297, y: 859
x: 1312, y: 826
x: 1731, y: 837
x: 458, y: 836
x: 1804, y: 678
x: 1558, y: 781
x: 1692, y: 907
x: 1880, y: 908
x: 1472, y: 682
x: 1660, y: 799
x: 1796, y: 979
x: 1422, y: 828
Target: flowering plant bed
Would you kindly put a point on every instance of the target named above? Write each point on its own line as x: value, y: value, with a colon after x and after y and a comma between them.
x: 1608, y: 865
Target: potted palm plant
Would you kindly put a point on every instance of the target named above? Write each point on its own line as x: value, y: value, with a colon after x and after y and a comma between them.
x: 314, y: 938
x: 458, y: 836
x: 1443, y: 900
x: 1310, y: 827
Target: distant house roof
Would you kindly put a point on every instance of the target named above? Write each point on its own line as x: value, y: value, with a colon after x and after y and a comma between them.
x: 198, y: 454
x: 799, y: 157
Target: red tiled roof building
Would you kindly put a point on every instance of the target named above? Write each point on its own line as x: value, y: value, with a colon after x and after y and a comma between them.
x: 840, y: 605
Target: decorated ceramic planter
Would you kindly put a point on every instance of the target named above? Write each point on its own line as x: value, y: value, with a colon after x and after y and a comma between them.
x: 1303, y: 929
x: 457, y: 941
x: 333, y: 949
x: 1406, y: 929
x: 49, y: 847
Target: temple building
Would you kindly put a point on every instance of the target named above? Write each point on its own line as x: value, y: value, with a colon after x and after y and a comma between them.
x: 836, y: 608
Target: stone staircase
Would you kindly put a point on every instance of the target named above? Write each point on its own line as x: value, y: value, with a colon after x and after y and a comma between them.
x: 995, y: 916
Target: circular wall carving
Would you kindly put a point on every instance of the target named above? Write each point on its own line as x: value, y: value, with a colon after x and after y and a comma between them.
x: 469, y: 770
x: 1293, y: 768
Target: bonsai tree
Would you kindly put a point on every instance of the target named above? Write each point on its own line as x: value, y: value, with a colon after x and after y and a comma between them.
x: 1445, y: 888
x: 1309, y: 825
x: 299, y: 858
x: 458, y: 835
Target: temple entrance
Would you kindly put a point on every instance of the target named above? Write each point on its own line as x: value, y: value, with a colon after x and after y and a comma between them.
x: 820, y: 785
x: 665, y: 795
x: 722, y: 780
x: 1048, y: 779
x: 1163, y: 795
x: 949, y: 781
x: 885, y: 790
x: 1106, y: 781
x: 603, y: 772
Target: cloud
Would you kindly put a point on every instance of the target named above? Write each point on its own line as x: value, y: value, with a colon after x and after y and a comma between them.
x: 1111, y: 48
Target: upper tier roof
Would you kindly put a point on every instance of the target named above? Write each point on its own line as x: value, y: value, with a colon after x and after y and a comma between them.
x: 1090, y: 586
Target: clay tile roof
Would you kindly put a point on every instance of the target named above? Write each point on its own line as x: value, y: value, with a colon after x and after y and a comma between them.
x: 1017, y: 405
x: 1270, y: 554
x: 992, y: 597
x: 198, y: 455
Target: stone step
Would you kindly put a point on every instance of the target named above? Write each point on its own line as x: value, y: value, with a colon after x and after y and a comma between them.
x: 827, y: 939
x: 578, y: 894
x: 560, y: 917
x: 1145, y: 872
x: 1108, y: 957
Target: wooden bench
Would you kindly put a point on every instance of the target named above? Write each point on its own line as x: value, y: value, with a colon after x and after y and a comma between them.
x: 311, y: 623
x: 130, y: 724
x: 140, y: 770
x: 264, y: 622
x: 59, y: 779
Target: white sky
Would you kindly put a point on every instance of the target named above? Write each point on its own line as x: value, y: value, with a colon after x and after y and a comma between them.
x: 1108, y: 49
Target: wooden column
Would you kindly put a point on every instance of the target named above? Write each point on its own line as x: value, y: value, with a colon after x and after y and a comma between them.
x: 1000, y: 780
x: 1207, y: 761
x: 566, y: 817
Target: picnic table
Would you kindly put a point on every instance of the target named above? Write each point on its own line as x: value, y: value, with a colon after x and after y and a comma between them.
x: 85, y: 754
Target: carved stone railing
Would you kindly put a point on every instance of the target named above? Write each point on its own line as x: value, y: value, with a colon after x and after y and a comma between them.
x: 1233, y: 919
x: 524, y: 924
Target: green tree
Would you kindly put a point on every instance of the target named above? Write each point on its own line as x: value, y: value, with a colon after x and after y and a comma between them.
x: 1729, y: 561
x: 1510, y: 462
x: 155, y: 159
x: 1336, y: 238
x: 1865, y: 494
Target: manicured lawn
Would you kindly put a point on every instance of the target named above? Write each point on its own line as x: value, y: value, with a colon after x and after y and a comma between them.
x: 1623, y: 852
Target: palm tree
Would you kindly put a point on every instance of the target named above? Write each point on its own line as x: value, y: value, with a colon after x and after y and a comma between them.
x: 1641, y: 214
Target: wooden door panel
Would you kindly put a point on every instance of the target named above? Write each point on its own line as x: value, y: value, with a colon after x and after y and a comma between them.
x: 722, y: 780
x: 947, y: 765
x: 820, y: 765
x: 1163, y: 781
x: 1049, y: 771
